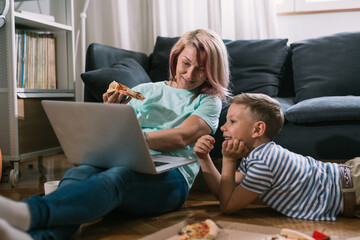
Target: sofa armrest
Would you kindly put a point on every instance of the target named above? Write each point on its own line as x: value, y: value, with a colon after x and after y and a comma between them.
x: 101, y: 56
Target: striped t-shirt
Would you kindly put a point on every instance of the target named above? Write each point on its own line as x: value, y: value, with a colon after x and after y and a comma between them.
x: 292, y: 184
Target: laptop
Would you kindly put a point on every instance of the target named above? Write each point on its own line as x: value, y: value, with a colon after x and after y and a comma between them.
x: 105, y: 135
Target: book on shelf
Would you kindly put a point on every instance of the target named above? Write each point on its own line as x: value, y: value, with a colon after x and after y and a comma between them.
x: 36, y: 60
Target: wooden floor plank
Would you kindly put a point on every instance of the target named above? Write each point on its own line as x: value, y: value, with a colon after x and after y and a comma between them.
x: 200, y: 204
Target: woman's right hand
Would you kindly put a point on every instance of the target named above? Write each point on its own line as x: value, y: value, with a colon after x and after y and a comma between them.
x: 115, y: 97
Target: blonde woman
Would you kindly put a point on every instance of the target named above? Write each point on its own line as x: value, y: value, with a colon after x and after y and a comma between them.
x: 175, y: 113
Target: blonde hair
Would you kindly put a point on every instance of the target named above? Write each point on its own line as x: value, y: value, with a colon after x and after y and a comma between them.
x: 216, y: 60
x: 263, y: 108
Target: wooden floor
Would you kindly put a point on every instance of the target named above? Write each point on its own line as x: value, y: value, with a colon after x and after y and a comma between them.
x: 199, y: 205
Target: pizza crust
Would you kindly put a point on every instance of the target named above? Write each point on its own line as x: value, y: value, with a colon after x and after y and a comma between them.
x: 214, y: 229
x: 112, y: 87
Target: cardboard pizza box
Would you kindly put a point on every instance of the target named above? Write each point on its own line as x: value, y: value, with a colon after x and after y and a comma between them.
x: 228, y: 231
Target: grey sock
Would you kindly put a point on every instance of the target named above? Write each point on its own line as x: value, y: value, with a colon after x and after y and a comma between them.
x: 8, y: 232
x: 17, y: 214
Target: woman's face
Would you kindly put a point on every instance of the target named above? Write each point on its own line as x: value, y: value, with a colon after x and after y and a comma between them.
x: 189, y: 75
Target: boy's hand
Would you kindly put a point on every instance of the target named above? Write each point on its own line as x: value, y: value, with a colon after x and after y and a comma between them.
x: 234, y: 149
x: 203, y: 146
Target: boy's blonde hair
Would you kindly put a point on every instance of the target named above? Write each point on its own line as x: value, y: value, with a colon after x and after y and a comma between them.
x: 263, y: 108
x: 216, y: 60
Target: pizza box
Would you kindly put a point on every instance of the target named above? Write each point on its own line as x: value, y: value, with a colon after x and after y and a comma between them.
x: 228, y: 230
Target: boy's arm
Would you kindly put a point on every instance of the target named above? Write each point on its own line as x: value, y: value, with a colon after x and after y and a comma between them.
x: 212, y: 176
x: 233, y: 196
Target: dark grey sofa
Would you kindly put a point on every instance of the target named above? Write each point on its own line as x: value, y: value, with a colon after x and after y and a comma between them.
x: 316, y: 81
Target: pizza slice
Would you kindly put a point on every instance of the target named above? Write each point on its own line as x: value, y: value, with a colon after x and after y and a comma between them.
x: 289, y: 234
x: 198, y: 231
x: 114, y: 86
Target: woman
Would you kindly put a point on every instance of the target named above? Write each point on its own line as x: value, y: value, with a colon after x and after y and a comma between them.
x: 173, y: 116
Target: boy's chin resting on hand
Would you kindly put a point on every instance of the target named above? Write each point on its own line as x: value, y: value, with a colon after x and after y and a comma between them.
x: 234, y: 149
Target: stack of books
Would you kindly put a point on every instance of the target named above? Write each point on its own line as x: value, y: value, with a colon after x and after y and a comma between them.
x: 36, y: 63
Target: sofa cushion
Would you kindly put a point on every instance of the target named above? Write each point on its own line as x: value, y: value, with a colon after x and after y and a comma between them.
x: 285, y: 103
x: 325, y: 109
x: 101, y: 56
x: 256, y: 65
x: 127, y: 71
x: 159, y: 58
x: 327, y: 66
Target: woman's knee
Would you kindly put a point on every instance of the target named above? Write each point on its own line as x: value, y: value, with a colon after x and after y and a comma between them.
x: 78, y: 173
x: 118, y: 175
x: 163, y: 193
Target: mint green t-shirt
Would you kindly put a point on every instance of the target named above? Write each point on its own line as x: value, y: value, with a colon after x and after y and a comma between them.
x: 167, y: 107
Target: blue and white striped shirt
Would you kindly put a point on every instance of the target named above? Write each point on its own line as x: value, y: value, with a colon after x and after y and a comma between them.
x: 292, y: 184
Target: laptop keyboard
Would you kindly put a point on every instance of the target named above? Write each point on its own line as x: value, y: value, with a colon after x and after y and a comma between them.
x: 158, y: 163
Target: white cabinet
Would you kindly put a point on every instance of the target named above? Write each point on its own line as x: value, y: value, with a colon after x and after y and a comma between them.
x: 24, y: 129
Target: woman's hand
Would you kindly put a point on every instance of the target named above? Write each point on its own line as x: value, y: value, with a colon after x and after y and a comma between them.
x: 234, y: 149
x: 115, y: 97
x: 203, y: 146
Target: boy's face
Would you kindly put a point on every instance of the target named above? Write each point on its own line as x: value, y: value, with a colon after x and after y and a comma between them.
x: 239, y: 124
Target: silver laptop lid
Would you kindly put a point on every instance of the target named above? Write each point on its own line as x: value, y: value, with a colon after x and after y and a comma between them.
x: 100, y: 134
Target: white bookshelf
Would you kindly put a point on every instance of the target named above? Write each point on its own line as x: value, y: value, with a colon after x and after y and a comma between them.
x: 24, y: 128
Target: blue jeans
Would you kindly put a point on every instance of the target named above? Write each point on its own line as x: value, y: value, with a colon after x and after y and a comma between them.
x: 87, y: 193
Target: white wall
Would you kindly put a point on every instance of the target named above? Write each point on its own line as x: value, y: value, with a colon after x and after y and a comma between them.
x: 305, y: 26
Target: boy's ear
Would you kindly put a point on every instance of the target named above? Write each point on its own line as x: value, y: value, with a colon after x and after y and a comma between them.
x: 259, y: 129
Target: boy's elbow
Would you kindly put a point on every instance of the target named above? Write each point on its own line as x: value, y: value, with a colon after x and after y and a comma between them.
x: 226, y: 209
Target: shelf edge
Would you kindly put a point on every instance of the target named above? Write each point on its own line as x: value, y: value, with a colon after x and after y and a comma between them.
x: 25, y: 19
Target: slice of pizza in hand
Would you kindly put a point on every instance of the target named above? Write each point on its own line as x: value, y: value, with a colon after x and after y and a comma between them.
x: 114, y: 86
x: 198, y: 231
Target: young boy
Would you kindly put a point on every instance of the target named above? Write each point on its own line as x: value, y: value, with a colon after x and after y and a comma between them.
x: 292, y: 184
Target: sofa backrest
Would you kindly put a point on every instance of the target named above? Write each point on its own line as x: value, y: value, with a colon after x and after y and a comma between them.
x: 325, y: 66
x: 255, y: 65
x: 103, y: 56
x: 160, y: 57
